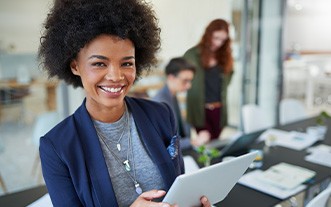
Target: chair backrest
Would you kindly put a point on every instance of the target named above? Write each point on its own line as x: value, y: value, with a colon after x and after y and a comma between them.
x: 291, y: 110
x: 321, y: 199
x: 44, y: 122
x: 254, y: 118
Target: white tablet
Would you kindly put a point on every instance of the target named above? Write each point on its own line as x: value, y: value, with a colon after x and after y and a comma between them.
x: 215, y: 182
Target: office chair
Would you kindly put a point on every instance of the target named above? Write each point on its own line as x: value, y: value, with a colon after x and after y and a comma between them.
x: 291, y: 110
x: 254, y: 118
x: 44, y: 122
x: 321, y: 199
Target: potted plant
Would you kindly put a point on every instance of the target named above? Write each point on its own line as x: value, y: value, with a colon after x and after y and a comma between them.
x: 322, y: 117
x: 321, y: 128
x: 207, y: 154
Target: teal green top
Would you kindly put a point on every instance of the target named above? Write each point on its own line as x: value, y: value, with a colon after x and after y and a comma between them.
x: 196, y: 95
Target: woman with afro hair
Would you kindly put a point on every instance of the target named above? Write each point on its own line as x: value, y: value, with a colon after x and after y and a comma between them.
x: 114, y: 150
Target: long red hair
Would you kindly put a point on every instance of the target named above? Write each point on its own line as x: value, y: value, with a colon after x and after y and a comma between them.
x: 223, y: 54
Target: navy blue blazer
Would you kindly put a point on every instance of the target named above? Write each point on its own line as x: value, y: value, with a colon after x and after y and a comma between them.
x: 72, y: 161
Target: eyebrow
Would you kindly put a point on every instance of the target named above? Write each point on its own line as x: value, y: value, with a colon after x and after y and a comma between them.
x: 99, y: 57
x: 105, y: 58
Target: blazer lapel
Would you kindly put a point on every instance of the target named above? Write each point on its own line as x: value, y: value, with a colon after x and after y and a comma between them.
x: 153, y: 142
x: 101, y: 184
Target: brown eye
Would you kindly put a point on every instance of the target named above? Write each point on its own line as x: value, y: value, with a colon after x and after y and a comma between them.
x: 99, y: 64
x: 128, y: 64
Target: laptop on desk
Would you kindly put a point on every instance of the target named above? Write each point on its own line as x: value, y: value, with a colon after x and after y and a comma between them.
x: 240, y: 145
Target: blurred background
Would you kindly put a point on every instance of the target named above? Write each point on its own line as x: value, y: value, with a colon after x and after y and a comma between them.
x: 282, y: 51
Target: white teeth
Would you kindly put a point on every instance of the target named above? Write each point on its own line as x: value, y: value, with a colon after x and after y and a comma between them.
x: 113, y: 90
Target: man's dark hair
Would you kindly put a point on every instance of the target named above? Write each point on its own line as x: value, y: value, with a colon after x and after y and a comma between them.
x: 177, y: 65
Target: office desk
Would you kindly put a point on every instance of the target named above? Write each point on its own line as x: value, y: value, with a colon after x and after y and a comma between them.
x: 244, y: 196
x: 240, y: 196
x: 22, y: 198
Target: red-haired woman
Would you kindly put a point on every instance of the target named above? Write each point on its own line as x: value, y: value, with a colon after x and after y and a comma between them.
x: 206, y: 100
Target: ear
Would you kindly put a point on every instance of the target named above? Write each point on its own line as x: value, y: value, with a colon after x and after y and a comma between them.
x: 74, y: 68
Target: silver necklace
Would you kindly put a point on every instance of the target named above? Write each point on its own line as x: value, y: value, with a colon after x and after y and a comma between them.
x: 126, y: 163
x: 118, y: 143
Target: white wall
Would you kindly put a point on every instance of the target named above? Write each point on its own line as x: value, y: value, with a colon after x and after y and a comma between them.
x: 308, y: 28
x: 183, y: 22
x: 21, y: 23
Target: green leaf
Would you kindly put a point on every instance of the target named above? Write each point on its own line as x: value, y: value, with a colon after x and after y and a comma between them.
x: 320, y: 120
x: 201, y: 149
x: 202, y: 159
x: 215, y: 153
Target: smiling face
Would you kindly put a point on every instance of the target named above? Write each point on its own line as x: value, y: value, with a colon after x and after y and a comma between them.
x: 107, y: 69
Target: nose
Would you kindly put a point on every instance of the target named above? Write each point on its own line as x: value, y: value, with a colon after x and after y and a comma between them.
x: 114, y: 74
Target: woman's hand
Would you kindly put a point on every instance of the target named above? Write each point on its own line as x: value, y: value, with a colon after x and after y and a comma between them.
x: 205, y: 202
x: 145, y: 199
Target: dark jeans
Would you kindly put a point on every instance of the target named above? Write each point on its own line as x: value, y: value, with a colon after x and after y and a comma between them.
x: 212, y: 122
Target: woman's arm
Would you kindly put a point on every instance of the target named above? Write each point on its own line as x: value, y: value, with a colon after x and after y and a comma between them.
x: 57, y: 176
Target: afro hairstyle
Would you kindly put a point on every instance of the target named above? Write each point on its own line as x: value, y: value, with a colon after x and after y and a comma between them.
x: 71, y: 24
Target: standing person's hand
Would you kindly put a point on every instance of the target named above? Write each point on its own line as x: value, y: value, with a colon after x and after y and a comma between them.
x: 202, y: 138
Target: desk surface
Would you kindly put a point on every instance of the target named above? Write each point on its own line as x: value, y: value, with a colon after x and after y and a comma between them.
x: 244, y: 196
x: 22, y: 198
x: 239, y: 195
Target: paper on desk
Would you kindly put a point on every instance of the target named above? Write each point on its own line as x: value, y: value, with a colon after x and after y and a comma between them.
x: 320, y: 154
x: 286, y: 176
x: 251, y: 180
x: 273, y: 133
x: 293, y: 140
x: 319, y: 148
x: 320, y: 158
x: 44, y: 201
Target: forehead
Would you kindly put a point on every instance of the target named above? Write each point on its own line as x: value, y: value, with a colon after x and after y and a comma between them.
x: 220, y: 34
x: 109, y: 44
x: 186, y: 73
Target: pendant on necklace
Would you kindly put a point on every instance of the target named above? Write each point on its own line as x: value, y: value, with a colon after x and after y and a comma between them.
x: 118, y: 147
x: 138, y: 188
x: 127, y: 165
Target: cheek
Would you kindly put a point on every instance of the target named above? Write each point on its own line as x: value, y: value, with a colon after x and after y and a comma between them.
x: 218, y: 43
x: 131, y: 76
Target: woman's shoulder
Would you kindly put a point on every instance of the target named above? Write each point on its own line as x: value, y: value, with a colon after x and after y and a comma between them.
x: 62, y: 129
x: 147, y: 104
x: 192, y: 50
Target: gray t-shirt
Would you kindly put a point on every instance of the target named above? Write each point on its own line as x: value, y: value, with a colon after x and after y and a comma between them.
x: 143, y: 170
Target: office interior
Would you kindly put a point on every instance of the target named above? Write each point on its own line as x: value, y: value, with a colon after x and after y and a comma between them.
x: 282, y: 50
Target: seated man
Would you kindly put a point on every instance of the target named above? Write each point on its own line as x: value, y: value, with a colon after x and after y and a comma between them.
x: 179, y: 76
